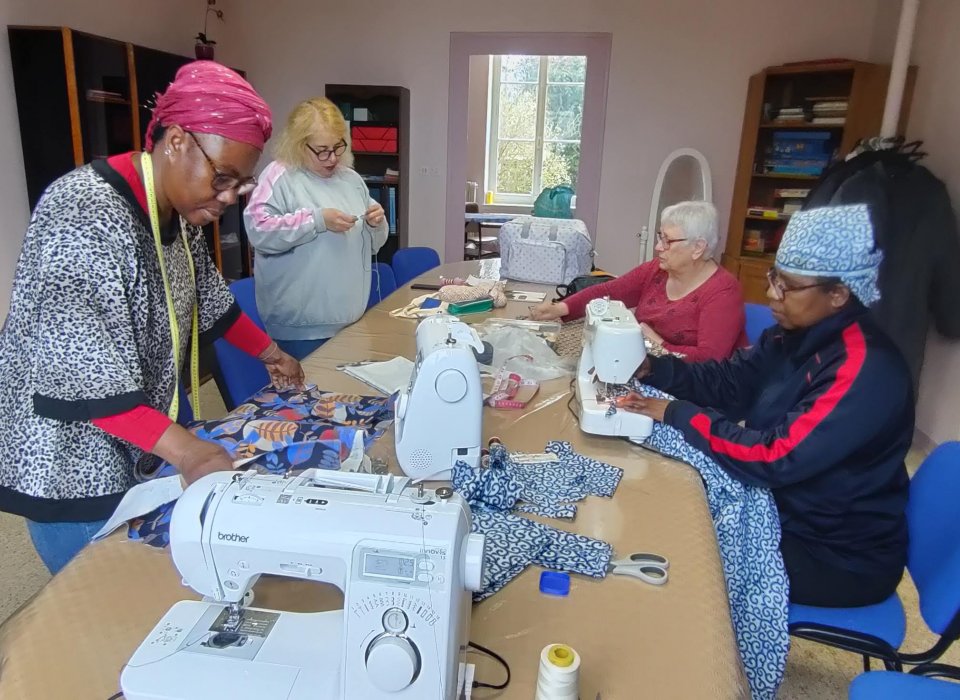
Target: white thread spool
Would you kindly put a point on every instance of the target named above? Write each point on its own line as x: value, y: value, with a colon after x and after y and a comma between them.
x: 559, y: 676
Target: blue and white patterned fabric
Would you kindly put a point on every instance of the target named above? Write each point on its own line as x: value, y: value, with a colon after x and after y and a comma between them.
x: 513, y: 543
x: 834, y: 242
x: 548, y: 487
x: 748, y: 533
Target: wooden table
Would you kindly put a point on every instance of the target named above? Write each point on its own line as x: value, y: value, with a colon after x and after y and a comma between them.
x: 635, y: 640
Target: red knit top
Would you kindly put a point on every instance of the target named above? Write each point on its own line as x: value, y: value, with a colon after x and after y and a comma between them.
x: 706, y: 324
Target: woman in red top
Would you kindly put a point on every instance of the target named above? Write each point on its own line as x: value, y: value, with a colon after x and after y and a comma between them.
x: 684, y: 300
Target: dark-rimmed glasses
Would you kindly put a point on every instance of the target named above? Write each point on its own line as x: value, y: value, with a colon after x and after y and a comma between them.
x: 224, y: 182
x: 323, y: 154
x: 667, y: 242
x: 781, y: 288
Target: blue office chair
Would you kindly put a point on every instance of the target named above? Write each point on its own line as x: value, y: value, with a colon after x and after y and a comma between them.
x: 238, y: 375
x: 759, y: 319
x: 877, y: 631
x: 891, y: 685
x: 382, y: 283
x: 408, y: 263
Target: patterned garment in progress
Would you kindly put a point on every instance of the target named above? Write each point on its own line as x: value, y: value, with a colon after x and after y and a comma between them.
x: 546, y: 488
x: 282, y: 432
x: 513, y: 543
x: 748, y: 534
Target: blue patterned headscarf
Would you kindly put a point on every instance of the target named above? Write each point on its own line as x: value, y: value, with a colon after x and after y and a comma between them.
x: 833, y: 242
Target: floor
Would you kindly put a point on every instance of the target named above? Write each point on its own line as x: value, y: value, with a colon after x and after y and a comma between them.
x: 813, y: 671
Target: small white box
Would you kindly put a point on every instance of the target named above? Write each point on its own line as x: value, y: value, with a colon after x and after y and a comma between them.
x: 361, y: 114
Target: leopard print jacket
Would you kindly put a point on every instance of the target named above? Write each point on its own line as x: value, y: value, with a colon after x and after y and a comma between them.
x: 87, y: 336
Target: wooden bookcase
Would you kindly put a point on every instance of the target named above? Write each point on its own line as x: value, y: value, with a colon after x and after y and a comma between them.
x: 386, y: 106
x: 81, y: 97
x: 862, y: 86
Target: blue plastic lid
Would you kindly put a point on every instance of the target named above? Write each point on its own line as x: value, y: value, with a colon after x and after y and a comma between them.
x: 555, y: 582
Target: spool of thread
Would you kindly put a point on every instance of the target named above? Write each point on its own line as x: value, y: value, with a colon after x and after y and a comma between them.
x: 559, y: 676
x: 488, y: 198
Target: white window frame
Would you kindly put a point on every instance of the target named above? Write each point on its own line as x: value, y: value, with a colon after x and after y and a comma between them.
x: 493, y: 129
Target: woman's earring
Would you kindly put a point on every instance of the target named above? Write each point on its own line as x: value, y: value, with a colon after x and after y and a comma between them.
x: 166, y: 151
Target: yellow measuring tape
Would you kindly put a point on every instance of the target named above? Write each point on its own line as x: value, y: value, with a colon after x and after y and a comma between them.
x: 147, y: 165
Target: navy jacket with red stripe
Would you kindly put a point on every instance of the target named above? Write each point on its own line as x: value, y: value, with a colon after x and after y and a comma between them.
x: 823, y: 417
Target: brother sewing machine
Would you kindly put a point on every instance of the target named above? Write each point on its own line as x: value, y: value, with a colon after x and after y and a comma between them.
x: 613, y: 349
x: 438, y: 415
x: 403, y: 557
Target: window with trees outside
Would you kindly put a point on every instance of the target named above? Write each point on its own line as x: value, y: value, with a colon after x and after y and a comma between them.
x: 536, y: 113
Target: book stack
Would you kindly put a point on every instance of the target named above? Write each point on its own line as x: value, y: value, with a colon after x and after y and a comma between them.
x: 792, y: 198
x: 789, y: 114
x: 798, y: 153
x: 830, y: 111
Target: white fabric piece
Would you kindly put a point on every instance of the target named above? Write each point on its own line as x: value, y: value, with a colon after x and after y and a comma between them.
x: 387, y: 377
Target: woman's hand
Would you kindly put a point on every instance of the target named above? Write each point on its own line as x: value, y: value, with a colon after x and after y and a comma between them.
x: 651, y: 334
x: 644, y: 369
x: 337, y: 221
x: 284, y: 370
x: 202, y: 458
x: 193, y: 457
x: 374, y: 215
x: 635, y: 403
x: 548, y: 311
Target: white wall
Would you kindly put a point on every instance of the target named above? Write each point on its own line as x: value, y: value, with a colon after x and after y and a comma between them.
x: 934, y: 119
x: 678, y: 77
x: 169, y: 25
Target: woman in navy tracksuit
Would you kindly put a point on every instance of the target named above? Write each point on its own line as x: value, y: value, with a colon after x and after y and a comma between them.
x: 820, y: 411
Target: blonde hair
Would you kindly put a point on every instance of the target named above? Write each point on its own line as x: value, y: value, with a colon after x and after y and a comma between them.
x: 304, y: 121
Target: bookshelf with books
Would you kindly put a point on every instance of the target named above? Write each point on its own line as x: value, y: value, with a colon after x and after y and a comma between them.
x: 378, y: 124
x: 798, y: 119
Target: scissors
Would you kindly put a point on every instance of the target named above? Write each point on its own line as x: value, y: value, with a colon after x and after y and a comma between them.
x: 651, y: 568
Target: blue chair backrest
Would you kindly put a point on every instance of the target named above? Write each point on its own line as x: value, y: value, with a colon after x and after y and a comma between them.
x: 240, y: 376
x: 759, y: 319
x: 382, y: 283
x: 933, y: 516
x: 412, y: 262
x: 185, y: 412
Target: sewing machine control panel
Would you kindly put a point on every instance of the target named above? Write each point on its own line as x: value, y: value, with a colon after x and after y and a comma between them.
x: 405, y: 569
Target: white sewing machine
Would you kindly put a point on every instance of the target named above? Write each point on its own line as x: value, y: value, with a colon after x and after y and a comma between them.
x: 613, y: 349
x: 438, y: 415
x: 404, y: 559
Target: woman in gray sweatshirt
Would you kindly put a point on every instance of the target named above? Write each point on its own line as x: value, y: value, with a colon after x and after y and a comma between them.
x: 315, y: 229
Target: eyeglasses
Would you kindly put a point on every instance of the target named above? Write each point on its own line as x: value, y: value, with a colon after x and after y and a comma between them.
x: 667, y: 242
x: 323, y: 154
x: 781, y: 288
x: 224, y: 182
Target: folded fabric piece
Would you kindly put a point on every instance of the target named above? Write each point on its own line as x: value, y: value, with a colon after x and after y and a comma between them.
x: 748, y: 534
x: 459, y: 293
x: 413, y: 310
x: 389, y: 377
x: 513, y: 543
x: 283, y: 432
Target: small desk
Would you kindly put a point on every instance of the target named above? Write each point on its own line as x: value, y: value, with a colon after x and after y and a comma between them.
x: 491, y: 220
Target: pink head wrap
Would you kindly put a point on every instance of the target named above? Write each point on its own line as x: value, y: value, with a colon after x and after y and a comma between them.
x: 209, y: 98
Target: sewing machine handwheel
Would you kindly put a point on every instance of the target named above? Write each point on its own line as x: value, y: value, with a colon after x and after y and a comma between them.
x: 392, y: 663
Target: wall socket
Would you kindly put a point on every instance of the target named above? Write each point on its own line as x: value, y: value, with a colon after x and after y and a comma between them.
x: 429, y: 172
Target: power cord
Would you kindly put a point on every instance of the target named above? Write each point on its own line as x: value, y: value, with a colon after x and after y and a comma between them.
x: 496, y: 657
x: 116, y: 696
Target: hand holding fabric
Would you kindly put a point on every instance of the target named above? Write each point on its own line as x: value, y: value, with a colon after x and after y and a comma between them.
x: 374, y: 215
x: 284, y: 370
x: 338, y: 221
x: 548, y: 311
x: 635, y: 403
